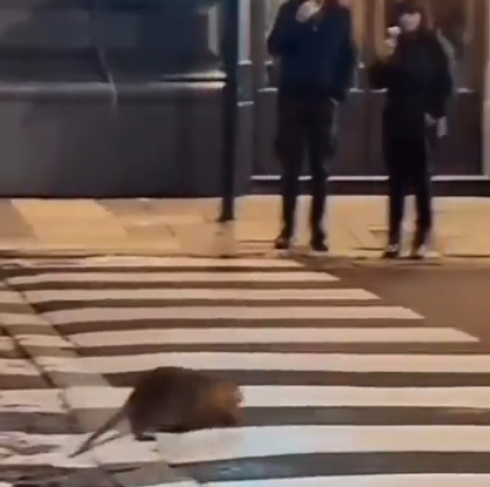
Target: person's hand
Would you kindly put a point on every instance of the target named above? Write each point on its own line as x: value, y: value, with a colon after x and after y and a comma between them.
x: 307, y: 10
x: 387, y: 48
x: 389, y: 44
x: 430, y: 121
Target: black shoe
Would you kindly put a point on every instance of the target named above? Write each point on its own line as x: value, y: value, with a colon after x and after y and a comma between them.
x: 418, y: 252
x: 419, y: 249
x: 392, y: 252
x: 283, y: 242
x: 318, y: 245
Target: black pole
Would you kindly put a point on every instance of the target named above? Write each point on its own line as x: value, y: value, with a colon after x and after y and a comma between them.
x: 229, y: 105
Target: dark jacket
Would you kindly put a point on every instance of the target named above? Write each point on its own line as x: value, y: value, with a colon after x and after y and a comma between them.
x: 317, y: 58
x: 418, y: 80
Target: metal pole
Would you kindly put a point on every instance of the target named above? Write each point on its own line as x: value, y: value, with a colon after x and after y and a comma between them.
x: 230, y: 101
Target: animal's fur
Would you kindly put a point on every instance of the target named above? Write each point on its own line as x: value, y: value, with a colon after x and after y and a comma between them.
x: 175, y: 400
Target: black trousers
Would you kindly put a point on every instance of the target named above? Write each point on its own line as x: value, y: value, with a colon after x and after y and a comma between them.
x: 305, y: 128
x: 407, y: 155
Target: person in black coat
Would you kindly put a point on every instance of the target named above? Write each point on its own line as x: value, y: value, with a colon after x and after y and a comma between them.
x: 312, y: 42
x: 416, y: 71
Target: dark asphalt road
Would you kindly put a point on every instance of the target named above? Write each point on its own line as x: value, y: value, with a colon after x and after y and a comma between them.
x: 457, y: 297
x: 94, y: 305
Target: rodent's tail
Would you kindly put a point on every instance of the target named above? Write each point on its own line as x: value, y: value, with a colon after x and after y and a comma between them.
x: 110, y: 423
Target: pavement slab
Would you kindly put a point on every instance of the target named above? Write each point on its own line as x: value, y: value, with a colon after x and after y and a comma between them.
x: 188, y: 227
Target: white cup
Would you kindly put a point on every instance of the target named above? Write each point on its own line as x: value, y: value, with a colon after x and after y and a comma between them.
x: 307, y: 10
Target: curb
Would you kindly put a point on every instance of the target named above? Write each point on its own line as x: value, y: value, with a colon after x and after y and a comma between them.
x: 23, y: 324
x: 360, y: 258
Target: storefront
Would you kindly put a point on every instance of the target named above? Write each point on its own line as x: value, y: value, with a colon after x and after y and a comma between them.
x: 462, y: 22
x: 124, y: 97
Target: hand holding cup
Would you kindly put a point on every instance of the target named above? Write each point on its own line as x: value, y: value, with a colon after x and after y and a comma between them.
x: 308, y: 10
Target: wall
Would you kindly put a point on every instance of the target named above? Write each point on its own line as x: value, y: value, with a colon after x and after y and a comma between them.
x: 110, y: 99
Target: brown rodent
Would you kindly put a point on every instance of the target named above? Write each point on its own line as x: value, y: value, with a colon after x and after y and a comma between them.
x: 175, y: 400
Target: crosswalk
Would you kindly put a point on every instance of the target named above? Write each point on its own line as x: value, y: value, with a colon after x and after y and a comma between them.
x: 342, y: 388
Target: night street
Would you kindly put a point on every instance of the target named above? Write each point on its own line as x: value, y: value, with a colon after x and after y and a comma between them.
x: 352, y: 377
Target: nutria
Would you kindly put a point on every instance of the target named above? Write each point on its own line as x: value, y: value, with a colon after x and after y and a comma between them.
x: 175, y: 400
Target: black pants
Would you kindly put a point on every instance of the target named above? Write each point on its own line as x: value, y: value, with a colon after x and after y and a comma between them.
x: 407, y: 160
x: 305, y: 128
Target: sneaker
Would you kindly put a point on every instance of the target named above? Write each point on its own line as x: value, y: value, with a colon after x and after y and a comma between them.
x: 418, y: 252
x: 283, y: 242
x: 318, y: 245
x: 419, y: 247
x: 392, y: 252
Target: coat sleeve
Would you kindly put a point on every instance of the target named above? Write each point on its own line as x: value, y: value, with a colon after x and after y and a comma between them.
x: 347, y: 58
x: 443, y: 84
x: 285, y: 32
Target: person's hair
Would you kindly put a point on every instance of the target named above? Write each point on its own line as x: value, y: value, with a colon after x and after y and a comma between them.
x: 420, y: 6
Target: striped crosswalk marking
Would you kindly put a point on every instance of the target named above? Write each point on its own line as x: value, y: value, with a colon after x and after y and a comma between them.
x: 31, y: 400
x: 341, y: 387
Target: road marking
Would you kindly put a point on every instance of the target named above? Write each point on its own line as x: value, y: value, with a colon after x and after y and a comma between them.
x: 255, y: 361
x: 18, y: 366
x: 202, y: 336
x: 54, y: 450
x: 34, y: 400
x: 148, y: 277
x: 249, y: 442
x: 39, y: 340
x: 23, y: 319
x: 8, y: 297
x: 84, y: 315
x: 47, y: 400
x: 375, y: 480
x: 184, y: 294
x: 7, y: 345
x: 267, y: 441
x: 176, y: 262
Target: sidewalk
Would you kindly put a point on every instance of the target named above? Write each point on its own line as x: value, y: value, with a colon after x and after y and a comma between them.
x: 188, y: 227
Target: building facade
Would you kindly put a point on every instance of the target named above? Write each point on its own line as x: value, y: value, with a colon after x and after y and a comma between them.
x: 464, y: 23
x: 124, y: 98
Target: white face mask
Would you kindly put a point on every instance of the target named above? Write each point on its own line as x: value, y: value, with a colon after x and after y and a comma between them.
x: 410, y: 21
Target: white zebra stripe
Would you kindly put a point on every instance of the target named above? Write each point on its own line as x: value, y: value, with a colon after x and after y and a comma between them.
x: 203, y: 336
x: 167, y: 277
x: 83, y: 315
x: 39, y: 340
x: 266, y: 441
x: 8, y: 297
x: 18, y: 366
x: 57, y: 449
x: 7, y: 345
x: 247, y: 442
x: 255, y: 361
x: 378, y: 480
x: 228, y: 294
x: 170, y: 262
x: 88, y: 398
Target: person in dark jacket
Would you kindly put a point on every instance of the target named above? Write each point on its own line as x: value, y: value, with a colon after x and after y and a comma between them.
x: 416, y: 71
x: 312, y: 42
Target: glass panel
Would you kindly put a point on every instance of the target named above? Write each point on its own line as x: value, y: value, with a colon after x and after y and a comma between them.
x: 459, y: 22
x: 359, y: 13
x: 271, y: 9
